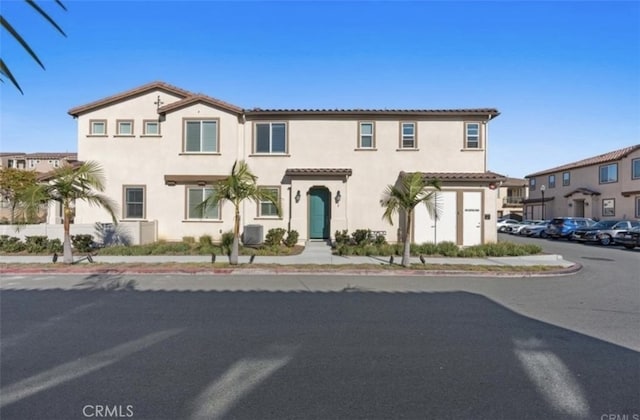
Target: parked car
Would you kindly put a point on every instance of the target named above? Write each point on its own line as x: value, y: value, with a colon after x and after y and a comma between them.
x: 517, y: 229
x: 629, y: 239
x: 503, y: 224
x: 537, y: 231
x: 563, y: 227
x: 604, y: 231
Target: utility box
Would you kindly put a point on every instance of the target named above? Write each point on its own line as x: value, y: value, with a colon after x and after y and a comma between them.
x: 253, y: 235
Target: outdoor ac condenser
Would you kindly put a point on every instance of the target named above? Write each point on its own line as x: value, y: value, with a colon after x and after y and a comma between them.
x: 252, y: 234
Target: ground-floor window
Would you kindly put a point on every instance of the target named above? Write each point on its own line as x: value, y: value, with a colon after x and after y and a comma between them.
x: 134, y: 202
x: 195, y: 197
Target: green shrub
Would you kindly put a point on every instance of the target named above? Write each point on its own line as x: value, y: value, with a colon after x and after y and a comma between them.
x: 226, y: 242
x: 380, y: 240
x: 292, y: 238
x: 54, y: 245
x: 82, y: 243
x: 188, y: 239
x: 447, y: 249
x: 11, y: 244
x: 427, y: 248
x: 342, y: 237
x: 205, y: 240
x: 275, y: 236
x: 361, y: 236
x: 36, y: 244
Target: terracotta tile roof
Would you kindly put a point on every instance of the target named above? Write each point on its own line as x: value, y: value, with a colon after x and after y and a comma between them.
x: 479, y: 112
x: 318, y: 171
x: 200, y: 98
x: 464, y: 176
x: 514, y: 182
x: 128, y: 94
x: 596, y: 160
x: 52, y: 155
x: 46, y: 176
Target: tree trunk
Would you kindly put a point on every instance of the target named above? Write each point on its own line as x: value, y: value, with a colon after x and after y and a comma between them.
x: 406, y: 252
x: 66, y: 246
x: 233, y: 258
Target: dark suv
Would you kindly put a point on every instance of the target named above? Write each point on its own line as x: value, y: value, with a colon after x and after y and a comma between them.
x: 563, y: 227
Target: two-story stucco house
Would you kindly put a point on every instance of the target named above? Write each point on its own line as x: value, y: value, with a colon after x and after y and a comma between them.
x: 606, y: 186
x: 162, y: 149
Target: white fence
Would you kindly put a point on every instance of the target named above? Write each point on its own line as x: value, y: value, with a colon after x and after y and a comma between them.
x: 137, y: 233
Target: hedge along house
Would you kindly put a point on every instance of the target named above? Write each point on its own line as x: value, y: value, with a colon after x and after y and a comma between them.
x: 163, y: 148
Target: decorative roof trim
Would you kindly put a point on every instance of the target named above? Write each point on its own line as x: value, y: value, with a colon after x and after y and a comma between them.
x: 630, y: 193
x: 592, y: 161
x: 462, y: 176
x: 318, y: 172
x: 585, y: 191
x: 128, y: 94
x: 199, y: 98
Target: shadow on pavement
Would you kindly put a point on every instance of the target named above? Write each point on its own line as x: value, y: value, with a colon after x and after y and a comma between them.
x: 276, y: 355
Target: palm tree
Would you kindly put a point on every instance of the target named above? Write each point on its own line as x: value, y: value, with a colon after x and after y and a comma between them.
x: 4, y: 69
x: 411, y: 190
x: 66, y: 185
x: 240, y: 185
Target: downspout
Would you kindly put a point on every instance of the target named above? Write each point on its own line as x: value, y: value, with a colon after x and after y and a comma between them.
x: 290, y: 208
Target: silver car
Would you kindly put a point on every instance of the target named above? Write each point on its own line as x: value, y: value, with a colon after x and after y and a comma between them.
x: 604, y: 231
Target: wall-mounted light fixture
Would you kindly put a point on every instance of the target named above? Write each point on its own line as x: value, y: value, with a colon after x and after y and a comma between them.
x: 338, y: 197
x: 586, y: 203
x: 570, y: 204
x: 297, y: 197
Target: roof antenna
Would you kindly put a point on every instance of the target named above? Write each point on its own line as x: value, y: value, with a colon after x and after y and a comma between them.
x: 158, y: 103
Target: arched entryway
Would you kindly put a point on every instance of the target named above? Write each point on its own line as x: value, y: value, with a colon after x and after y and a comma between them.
x: 319, y: 213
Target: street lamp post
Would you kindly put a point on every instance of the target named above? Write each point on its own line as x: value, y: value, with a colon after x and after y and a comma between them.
x: 542, y: 188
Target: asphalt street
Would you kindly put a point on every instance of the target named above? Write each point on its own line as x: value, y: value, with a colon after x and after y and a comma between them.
x: 315, y: 347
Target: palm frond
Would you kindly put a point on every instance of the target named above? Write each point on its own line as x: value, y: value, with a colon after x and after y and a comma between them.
x: 46, y: 16
x: 7, y: 26
x: 4, y: 70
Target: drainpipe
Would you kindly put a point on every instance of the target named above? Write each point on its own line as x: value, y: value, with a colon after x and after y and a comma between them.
x: 290, y: 208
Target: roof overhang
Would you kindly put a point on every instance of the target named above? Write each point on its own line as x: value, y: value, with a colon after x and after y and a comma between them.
x: 201, y: 180
x: 583, y: 191
x: 342, y: 173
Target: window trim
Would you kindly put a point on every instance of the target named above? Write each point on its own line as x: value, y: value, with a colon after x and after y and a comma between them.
x: 125, y: 187
x: 187, y: 217
x: 638, y: 206
x: 633, y: 162
x: 359, y: 145
x: 145, y: 133
x: 259, y: 214
x: 551, y: 184
x: 119, y: 134
x: 568, y: 180
x: 612, y: 201
x: 465, y: 145
x: 254, y: 147
x: 184, y: 136
x: 415, y: 135
x: 91, y: 130
x: 600, y: 173
x: 532, y: 184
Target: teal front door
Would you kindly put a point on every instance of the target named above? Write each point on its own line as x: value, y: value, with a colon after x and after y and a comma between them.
x: 319, y: 213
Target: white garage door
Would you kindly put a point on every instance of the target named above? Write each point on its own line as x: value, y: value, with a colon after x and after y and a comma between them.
x: 444, y: 228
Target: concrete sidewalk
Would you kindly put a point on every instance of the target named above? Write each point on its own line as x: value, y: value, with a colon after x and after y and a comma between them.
x: 314, y: 253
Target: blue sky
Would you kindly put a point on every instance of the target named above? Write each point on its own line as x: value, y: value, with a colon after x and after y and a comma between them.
x: 565, y: 75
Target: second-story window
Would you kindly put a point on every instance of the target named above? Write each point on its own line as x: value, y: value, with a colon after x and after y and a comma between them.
x: 472, y: 136
x: 566, y: 178
x: 635, y: 168
x: 408, y: 136
x: 151, y: 128
x: 271, y: 138
x: 125, y: 127
x: 201, y: 136
x: 98, y: 128
x: 609, y: 173
x: 532, y: 184
x: 552, y: 181
x: 366, y: 136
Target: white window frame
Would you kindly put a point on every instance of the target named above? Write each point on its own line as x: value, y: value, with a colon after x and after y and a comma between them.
x: 146, y: 127
x: 92, y: 127
x: 187, y: 121
x: 208, y: 214
x: 271, y: 126
x: 125, y: 199
x: 269, y: 203
x: 372, y: 135
x: 120, y: 124
x: 475, y: 138
x: 406, y: 137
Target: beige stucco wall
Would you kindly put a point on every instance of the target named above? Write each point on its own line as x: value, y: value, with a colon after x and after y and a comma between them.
x: 588, y: 177
x: 312, y: 143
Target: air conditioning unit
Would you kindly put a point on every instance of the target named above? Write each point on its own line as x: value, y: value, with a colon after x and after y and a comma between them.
x: 252, y: 234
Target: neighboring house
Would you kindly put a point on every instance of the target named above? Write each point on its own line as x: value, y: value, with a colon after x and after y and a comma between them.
x: 41, y: 162
x: 162, y: 149
x: 606, y: 186
x: 511, y: 194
